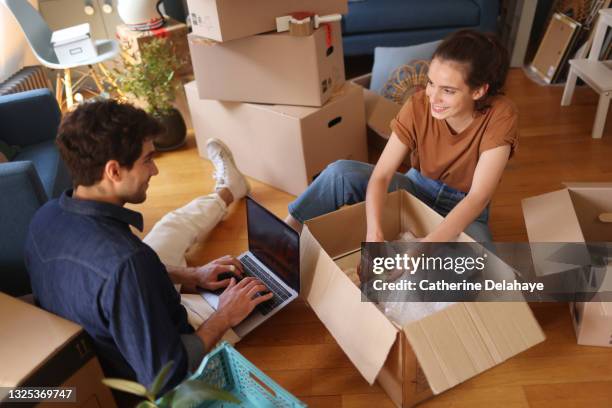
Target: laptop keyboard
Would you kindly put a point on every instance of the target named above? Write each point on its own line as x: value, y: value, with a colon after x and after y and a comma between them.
x: 251, y: 268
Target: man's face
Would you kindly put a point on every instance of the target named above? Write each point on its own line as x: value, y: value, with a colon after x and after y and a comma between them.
x: 135, y: 181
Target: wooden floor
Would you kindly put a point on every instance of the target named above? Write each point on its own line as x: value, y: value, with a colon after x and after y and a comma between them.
x: 296, y: 350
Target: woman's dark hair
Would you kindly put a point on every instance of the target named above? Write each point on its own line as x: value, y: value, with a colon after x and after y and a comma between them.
x: 99, y: 131
x: 485, y: 58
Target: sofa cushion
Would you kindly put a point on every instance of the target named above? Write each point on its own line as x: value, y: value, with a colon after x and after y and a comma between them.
x: 392, y: 15
x: 405, y: 81
x: 51, y: 169
x: 388, y: 59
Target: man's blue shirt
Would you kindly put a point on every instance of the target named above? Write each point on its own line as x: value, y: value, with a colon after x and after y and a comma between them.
x: 87, y: 266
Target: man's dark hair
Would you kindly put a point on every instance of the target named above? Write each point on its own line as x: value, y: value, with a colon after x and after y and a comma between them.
x: 485, y: 58
x: 99, y: 131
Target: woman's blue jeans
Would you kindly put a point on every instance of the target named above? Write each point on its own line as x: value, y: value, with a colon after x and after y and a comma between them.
x: 345, y: 182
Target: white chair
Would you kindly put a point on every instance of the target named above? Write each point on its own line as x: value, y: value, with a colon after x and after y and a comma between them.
x: 597, y: 74
x: 38, y: 35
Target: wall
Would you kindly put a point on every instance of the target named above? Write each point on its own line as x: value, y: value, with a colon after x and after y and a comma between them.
x: 14, y: 50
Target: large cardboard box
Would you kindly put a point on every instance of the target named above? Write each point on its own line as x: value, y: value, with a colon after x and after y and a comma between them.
x: 572, y: 215
x: 380, y: 111
x: 271, y: 68
x: 427, y: 356
x: 39, y: 349
x: 224, y: 20
x: 284, y: 146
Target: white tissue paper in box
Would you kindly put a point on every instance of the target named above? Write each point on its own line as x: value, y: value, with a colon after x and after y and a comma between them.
x: 403, y: 313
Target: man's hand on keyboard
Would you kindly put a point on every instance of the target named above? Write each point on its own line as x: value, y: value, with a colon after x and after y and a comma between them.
x: 239, y: 299
x: 208, y: 276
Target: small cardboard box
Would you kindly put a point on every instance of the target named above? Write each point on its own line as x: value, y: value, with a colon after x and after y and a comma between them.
x: 39, y: 349
x: 224, y: 20
x: 572, y: 215
x: 380, y: 111
x: 175, y: 32
x: 427, y: 356
x: 271, y: 68
x: 74, y: 45
x: 284, y: 146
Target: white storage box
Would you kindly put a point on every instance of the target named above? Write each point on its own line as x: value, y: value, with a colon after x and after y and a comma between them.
x: 73, y: 45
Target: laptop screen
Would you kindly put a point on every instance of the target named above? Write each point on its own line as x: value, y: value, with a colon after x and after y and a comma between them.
x: 274, y: 243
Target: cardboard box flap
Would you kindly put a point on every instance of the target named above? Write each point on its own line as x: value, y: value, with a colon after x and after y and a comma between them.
x: 465, y: 339
x: 361, y: 330
x: 593, y: 207
x: 542, y: 215
x: 508, y: 327
x: 29, y: 337
x: 342, y: 231
x: 379, y: 110
x: 542, y: 218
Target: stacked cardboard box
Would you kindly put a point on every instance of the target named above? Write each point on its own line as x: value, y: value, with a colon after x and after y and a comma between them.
x: 279, y: 101
x: 39, y: 349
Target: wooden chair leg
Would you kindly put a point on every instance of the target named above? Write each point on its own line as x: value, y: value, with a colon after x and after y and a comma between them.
x: 601, y: 115
x: 59, y: 90
x: 110, y: 78
x: 96, y: 79
x: 570, y: 85
x: 68, y: 88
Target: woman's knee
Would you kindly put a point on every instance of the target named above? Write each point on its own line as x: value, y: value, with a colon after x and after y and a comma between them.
x: 348, y: 170
x: 343, y: 167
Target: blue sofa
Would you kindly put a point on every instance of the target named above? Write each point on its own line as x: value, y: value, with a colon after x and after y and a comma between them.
x: 30, y: 121
x: 397, y: 23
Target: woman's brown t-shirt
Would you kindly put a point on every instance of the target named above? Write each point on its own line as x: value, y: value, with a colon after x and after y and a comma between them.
x: 451, y: 158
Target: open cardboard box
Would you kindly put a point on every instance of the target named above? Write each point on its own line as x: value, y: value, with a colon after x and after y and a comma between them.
x: 224, y: 20
x: 284, y: 146
x: 380, y: 111
x: 39, y: 349
x: 271, y: 68
x: 572, y: 215
x: 428, y: 356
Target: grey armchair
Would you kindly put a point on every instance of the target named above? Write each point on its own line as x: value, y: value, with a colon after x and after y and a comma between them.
x: 29, y: 120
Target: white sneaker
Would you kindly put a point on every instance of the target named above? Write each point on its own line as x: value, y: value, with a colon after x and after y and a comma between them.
x: 226, y: 173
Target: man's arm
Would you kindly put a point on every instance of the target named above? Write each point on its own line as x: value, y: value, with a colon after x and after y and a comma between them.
x: 145, y: 318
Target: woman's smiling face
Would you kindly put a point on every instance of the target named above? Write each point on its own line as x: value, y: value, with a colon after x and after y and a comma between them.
x: 449, y: 96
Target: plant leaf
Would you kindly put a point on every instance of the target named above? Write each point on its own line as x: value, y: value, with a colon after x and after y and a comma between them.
x: 160, y: 379
x: 192, y: 392
x: 131, y: 387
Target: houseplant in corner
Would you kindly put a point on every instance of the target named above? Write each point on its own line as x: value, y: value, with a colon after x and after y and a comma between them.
x: 152, y: 80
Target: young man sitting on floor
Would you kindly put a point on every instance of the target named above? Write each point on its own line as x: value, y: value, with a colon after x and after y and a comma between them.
x: 86, y: 265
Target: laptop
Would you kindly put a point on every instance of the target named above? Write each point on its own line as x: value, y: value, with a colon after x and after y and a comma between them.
x: 274, y: 258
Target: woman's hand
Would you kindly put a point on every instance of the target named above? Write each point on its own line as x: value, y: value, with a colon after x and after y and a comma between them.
x: 376, y: 194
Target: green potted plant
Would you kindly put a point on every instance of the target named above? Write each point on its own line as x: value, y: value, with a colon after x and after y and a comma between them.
x: 187, y: 394
x: 152, y: 80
